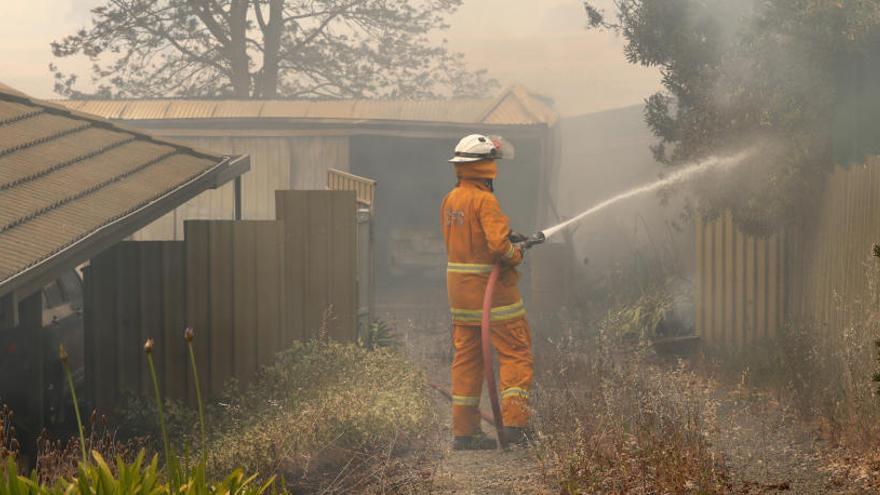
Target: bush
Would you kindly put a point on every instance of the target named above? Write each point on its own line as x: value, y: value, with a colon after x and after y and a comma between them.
x: 824, y: 372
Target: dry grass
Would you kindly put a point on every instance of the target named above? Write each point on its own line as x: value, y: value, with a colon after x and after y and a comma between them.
x: 612, y: 421
x: 60, y: 459
x: 329, y: 418
x: 825, y: 374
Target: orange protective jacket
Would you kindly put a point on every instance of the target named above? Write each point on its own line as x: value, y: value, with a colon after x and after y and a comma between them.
x: 476, y: 234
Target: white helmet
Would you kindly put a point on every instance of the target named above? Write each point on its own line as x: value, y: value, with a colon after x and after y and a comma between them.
x: 475, y: 148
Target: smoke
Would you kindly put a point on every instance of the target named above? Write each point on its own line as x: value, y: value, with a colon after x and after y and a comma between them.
x: 545, y: 46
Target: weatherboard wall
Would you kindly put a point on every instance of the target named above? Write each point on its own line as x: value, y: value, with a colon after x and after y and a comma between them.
x: 277, y: 163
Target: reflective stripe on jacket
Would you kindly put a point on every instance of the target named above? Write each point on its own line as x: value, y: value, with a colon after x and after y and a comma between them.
x: 476, y: 233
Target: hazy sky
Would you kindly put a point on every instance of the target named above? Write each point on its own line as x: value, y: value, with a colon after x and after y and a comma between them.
x: 539, y: 43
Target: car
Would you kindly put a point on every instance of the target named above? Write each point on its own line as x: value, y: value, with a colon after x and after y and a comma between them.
x: 62, y: 324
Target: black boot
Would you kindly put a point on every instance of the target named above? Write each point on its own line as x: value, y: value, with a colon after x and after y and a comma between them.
x: 475, y: 442
x: 517, y: 437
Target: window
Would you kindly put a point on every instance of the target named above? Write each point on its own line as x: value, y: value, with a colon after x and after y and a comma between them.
x: 52, y: 296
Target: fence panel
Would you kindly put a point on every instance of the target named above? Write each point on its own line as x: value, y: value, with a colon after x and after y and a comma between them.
x: 133, y: 293
x: 247, y: 288
x: 231, y: 265
x: 739, y: 285
x: 320, y: 231
x: 829, y: 274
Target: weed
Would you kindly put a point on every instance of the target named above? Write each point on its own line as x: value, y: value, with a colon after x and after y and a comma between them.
x: 62, y: 355
x: 377, y: 335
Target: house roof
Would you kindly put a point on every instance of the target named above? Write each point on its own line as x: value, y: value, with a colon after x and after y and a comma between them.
x: 515, y: 106
x: 71, y: 185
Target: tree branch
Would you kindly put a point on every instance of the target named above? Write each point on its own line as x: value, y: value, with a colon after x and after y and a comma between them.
x: 208, y: 20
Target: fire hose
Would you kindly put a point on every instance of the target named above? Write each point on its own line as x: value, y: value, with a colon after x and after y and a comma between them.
x: 523, y: 243
x: 488, y: 368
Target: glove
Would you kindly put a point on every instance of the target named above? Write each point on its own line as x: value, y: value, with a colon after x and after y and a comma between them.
x: 516, y: 238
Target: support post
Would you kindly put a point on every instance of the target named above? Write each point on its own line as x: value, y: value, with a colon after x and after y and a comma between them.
x: 8, y: 311
x: 236, y: 187
x: 34, y: 337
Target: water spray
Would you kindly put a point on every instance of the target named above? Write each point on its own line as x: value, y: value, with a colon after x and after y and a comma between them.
x: 527, y: 242
x: 676, y: 177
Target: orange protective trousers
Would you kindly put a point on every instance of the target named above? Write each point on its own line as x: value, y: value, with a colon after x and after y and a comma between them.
x: 513, y: 347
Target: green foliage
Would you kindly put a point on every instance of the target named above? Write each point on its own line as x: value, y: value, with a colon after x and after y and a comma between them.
x: 97, y: 477
x: 377, y: 335
x: 800, y: 75
x: 638, y: 322
x: 322, y: 409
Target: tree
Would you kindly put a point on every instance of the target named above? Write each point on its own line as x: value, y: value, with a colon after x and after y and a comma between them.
x: 267, y: 49
x: 800, y: 77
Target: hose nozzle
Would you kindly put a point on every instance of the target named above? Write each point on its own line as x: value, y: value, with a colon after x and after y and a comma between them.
x: 526, y: 242
x: 533, y: 240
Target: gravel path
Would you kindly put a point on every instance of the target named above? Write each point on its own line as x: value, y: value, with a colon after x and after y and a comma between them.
x: 463, y: 472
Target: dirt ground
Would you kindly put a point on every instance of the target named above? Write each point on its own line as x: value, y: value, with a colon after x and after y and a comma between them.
x: 427, y: 339
x: 766, y: 448
x: 486, y: 472
x: 770, y: 450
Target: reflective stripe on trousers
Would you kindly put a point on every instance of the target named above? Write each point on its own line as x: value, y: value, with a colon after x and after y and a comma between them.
x: 501, y: 313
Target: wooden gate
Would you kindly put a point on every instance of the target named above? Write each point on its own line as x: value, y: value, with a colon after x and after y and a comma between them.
x: 365, y: 191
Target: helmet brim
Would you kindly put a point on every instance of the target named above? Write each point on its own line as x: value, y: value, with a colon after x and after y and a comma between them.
x: 466, y: 159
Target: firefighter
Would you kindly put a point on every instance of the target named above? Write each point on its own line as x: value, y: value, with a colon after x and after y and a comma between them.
x: 477, y: 236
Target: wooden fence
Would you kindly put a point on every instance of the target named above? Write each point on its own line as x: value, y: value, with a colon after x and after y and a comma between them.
x: 234, y: 288
x: 320, y: 271
x: 248, y: 288
x: 134, y: 291
x: 365, y: 192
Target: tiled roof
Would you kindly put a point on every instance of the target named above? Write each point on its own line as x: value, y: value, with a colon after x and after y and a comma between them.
x: 65, y: 177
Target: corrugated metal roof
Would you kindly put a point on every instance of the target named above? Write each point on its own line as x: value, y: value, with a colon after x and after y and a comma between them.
x: 515, y: 106
x: 64, y: 176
